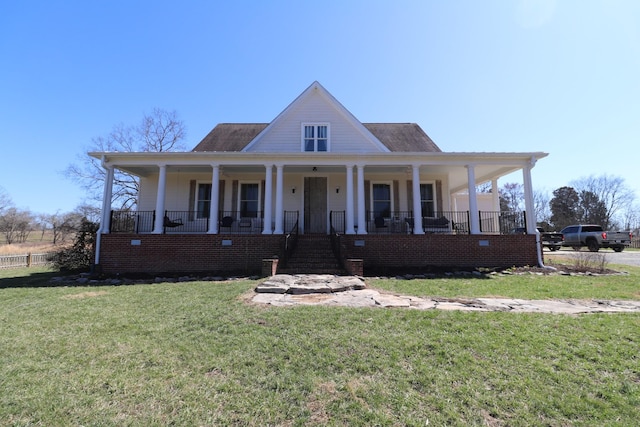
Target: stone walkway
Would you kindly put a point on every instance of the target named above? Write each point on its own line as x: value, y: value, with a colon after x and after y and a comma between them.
x: 349, y: 291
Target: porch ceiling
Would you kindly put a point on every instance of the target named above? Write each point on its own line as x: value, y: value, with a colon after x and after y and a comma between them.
x: 487, y: 166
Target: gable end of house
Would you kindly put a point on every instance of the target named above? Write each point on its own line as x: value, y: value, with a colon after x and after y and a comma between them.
x: 397, y: 137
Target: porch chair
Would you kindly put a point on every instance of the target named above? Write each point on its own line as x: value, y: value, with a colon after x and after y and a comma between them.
x: 379, y: 222
x: 226, y: 222
x: 170, y: 223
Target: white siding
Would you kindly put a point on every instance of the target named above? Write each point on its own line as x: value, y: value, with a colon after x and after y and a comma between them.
x: 286, y: 136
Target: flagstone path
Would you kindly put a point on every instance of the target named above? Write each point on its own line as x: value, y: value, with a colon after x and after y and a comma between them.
x: 350, y: 291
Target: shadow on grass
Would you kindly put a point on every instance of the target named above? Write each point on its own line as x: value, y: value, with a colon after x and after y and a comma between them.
x: 36, y: 279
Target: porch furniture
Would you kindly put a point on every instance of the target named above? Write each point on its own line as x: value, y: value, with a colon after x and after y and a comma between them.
x: 436, y: 225
x: 170, y: 223
x: 379, y: 222
x: 245, y: 225
x: 226, y: 222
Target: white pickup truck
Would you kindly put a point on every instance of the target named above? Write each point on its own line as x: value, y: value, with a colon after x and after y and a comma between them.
x: 594, y: 238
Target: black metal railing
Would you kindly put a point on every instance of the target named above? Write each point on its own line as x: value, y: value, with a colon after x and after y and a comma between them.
x: 501, y: 222
x: 241, y: 222
x: 291, y: 219
x: 132, y: 221
x: 335, y: 236
x: 399, y: 222
x: 337, y: 222
x: 184, y: 222
x: 402, y: 222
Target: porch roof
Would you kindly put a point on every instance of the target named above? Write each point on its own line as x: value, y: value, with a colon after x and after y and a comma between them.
x: 487, y: 165
x: 397, y: 137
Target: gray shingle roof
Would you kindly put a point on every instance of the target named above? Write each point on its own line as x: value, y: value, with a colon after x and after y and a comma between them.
x: 400, y: 137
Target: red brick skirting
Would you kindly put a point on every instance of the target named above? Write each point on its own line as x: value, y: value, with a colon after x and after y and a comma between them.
x: 163, y: 253
x: 380, y: 252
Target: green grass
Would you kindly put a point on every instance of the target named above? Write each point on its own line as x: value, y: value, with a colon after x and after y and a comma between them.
x: 527, y: 286
x: 197, y: 354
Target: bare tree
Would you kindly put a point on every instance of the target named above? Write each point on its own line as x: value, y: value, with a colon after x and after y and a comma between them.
x: 542, y: 208
x: 16, y: 225
x: 157, y: 132
x: 5, y: 200
x: 631, y: 219
x: 612, y: 191
x: 512, y: 197
x: 63, y: 225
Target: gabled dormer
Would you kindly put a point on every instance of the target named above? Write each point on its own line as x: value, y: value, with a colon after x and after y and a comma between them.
x: 315, y: 122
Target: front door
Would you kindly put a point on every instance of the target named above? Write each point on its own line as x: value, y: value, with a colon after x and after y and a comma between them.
x: 315, y: 205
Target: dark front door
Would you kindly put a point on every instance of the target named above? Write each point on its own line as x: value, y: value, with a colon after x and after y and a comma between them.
x: 315, y: 205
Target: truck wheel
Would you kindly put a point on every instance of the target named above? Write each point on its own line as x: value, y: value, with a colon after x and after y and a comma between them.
x: 618, y: 248
x: 593, y: 245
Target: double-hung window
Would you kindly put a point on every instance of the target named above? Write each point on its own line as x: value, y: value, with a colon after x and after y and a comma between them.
x: 427, y: 200
x: 315, y: 137
x: 249, y: 200
x: 203, y: 201
x: 381, y: 197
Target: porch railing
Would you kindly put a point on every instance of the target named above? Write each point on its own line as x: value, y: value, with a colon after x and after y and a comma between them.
x: 336, y: 218
x: 241, y: 222
x: 501, y: 222
x: 337, y: 222
x: 291, y: 237
x: 402, y: 222
x: 132, y: 221
x: 399, y: 222
x: 176, y: 222
x: 447, y: 222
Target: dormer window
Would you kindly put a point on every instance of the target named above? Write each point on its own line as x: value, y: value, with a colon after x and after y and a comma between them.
x: 315, y: 137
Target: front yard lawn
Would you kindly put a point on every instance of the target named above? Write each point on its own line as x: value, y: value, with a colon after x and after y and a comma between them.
x: 196, y: 353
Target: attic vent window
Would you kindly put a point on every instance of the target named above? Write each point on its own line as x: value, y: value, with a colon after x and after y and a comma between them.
x: 315, y: 137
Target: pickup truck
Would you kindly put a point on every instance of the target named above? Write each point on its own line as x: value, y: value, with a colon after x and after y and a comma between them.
x: 549, y: 239
x: 594, y: 238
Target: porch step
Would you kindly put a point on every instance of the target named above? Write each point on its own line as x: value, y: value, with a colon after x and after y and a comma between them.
x: 313, y: 255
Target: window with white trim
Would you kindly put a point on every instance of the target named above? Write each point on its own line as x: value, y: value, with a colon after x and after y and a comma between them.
x: 315, y: 137
x: 427, y: 199
x: 203, y: 200
x: 249, y: 200
x: 382, y: 200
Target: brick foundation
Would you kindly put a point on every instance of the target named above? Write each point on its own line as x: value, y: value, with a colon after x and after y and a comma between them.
x: 381, y: 252
x: 162, y: 253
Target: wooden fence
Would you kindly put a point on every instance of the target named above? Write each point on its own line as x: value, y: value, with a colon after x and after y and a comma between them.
x: 24, y: 260
x: 635, y: 242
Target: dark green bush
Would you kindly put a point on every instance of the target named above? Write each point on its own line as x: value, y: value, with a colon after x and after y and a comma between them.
x: 80, y: 256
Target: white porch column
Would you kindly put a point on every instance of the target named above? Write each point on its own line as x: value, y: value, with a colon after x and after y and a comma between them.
x: 105, y: 222
x: 350, y: 207
x: 268, y: 199
x: 215, y: 195
x: 362, y: 220
x: 417, y: 201
x: 495, y: 202
x: 158, y: 226
x: 528, y: 198
x: 473, y: 200
x: 279, y: 200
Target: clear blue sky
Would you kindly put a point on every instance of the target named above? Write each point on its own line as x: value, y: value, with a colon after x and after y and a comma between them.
x: 494, y: 75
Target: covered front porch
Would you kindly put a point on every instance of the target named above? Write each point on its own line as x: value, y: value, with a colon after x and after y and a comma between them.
x: 400, y: 222
x: 387, y: 195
